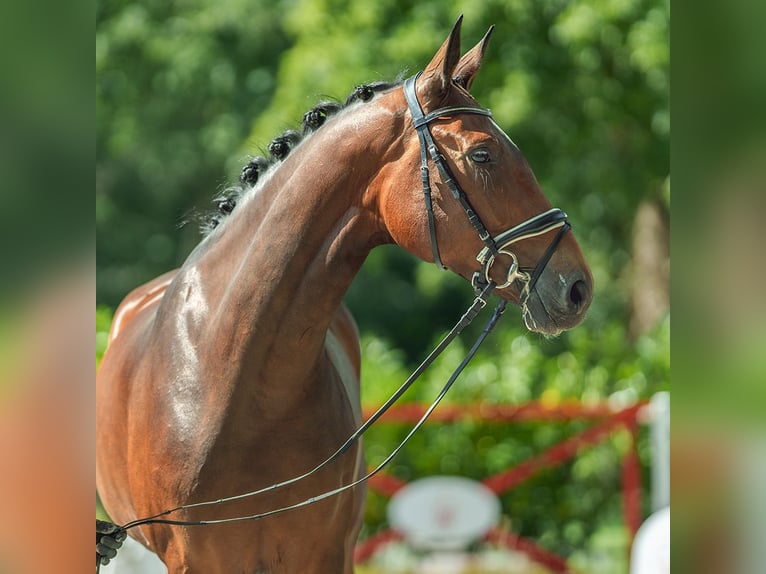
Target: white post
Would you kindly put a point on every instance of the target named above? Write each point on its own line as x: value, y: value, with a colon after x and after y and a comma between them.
x: 660, y: 440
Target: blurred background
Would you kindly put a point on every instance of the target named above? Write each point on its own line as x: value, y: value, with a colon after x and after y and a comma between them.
x: 187, y: 92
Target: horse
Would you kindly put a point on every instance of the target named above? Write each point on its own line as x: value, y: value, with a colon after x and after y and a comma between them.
x: 241, y: 368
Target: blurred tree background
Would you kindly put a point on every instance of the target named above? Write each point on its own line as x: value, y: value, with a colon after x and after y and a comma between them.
x: 187, y: 91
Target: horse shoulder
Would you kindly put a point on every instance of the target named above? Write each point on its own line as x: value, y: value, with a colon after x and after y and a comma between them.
x: 116, y: 380
x: 138, y: 300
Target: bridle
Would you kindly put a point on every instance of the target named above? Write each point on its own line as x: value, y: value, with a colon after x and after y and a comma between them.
x: 493, y: 246
x: 482, y: 284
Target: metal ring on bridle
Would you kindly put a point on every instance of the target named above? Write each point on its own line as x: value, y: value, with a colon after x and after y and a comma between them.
x: 513, y: 270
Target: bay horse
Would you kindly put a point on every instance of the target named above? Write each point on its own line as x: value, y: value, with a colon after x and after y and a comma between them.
x: 241, y: 368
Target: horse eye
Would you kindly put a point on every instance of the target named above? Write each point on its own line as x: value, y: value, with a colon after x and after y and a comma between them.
x: 480, y: 156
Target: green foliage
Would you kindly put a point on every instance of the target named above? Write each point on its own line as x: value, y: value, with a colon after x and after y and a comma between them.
x: 187, y: 90
x: 575, y: 509
x: 103, y: 323
x: 178, y: 84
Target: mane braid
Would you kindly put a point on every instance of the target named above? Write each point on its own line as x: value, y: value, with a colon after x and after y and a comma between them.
x: 254, y: 168
x: 315, y: 117
x: 281, y: 146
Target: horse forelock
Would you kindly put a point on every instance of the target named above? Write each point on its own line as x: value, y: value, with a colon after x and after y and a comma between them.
x: 258, y: 169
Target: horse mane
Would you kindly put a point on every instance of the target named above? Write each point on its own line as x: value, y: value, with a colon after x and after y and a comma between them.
x: 281, y: 146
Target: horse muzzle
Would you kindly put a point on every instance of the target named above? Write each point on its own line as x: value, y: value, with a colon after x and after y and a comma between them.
x: 559, y: 301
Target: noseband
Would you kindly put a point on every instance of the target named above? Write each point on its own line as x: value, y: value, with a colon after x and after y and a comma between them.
x: 493, y: 246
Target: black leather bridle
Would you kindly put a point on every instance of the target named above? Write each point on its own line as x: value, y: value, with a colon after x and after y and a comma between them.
x: 493, y: 246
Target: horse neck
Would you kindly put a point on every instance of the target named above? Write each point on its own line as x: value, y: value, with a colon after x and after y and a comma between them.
x: 273, y: 276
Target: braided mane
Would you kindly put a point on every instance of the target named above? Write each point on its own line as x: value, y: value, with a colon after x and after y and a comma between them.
x: 281, y: 146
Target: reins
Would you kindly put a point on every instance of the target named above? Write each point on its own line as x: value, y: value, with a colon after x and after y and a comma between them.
x: 477, y: 305
x: 483, y: 287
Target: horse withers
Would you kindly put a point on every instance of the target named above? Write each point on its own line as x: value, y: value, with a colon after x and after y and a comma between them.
x: 241, y: 368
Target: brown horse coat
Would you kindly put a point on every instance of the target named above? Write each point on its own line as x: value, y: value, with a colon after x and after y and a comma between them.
x: 241, y: 368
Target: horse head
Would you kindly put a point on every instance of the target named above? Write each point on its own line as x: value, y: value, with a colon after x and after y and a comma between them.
x: 469, y: 201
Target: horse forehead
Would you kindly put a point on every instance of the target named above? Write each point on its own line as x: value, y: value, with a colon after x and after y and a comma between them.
x: 470, y: 130
x: 479, y: 126
x: 504, y: 136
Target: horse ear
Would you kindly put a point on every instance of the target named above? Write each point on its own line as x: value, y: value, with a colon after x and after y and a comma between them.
x: 436, y: 78
x: 470, y: 63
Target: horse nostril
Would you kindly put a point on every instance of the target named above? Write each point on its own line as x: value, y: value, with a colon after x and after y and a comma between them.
x: 578, y: 294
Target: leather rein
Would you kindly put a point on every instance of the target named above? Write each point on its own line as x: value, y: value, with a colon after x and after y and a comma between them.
x: 483, y: 287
